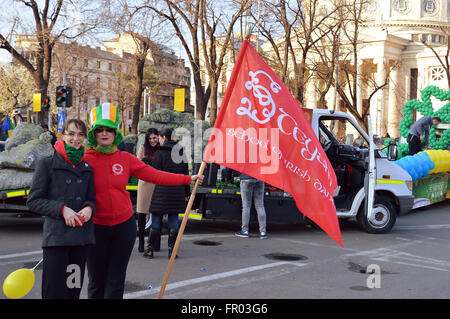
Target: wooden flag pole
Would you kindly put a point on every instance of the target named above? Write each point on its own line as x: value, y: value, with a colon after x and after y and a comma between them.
x: 181, y: 231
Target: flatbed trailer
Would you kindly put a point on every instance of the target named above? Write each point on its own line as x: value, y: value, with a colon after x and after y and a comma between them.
x: 210, y: 203
x: 224, y: 203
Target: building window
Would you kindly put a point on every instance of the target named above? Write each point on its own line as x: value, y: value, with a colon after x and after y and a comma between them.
x: 424, y: 38
x: 86, y: 63
x: 97, y: 101
x: 401, y: 6
x: 414, y: 78
x: 437, y: 74
x: 429, y: 6
x: 98, y: 64
x: 110, y: 66
x: 98, y: 83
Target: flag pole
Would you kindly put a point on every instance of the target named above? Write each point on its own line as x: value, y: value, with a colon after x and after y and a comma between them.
x: 181, y: 231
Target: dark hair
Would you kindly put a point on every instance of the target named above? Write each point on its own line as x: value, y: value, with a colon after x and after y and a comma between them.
x: 78, y: 124
x: 437, y: 118
x: 44, y: 126
x: 149, y: 150
x: 167, y: 133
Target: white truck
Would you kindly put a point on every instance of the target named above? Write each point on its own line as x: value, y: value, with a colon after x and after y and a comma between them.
x: 348, y: 147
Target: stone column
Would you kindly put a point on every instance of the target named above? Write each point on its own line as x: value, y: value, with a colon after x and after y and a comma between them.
x: 359, y: 86
x: 392, y: 108
x: 311, y: 93
x: 380, y: 97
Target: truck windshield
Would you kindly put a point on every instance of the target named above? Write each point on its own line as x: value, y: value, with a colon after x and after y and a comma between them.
x: 343, y: 131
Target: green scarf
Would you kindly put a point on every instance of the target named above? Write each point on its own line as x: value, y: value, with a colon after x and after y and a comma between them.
x: 110, y: 149
x: 74, y: 155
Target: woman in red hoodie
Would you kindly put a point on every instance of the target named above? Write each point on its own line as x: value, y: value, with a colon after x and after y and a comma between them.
x: 63, y: 191
x: 115, y: 226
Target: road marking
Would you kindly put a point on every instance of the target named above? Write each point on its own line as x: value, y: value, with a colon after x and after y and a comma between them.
x: 203, y: 279
x: 402, y: 258
x: 206, y: 290
x: 422, y: 227
x: 35, y: 252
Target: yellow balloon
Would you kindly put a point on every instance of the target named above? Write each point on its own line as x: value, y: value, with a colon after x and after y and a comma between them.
x: 18, y: 283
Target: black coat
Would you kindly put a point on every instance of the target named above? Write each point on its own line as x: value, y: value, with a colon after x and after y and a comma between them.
x: 57, y: 183
x: 169, y: 199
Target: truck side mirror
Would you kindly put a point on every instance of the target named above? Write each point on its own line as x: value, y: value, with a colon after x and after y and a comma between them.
x: 392, y: 152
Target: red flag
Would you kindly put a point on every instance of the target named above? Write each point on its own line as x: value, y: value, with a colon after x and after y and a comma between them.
x: 261, y: 131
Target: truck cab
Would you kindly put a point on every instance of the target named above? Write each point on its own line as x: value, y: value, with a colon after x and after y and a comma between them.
x: 348, y: 148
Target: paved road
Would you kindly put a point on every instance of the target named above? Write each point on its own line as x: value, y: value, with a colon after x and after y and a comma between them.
x: 413, y: 261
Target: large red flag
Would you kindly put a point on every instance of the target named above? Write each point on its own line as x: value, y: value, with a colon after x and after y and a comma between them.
x: 261, y: 131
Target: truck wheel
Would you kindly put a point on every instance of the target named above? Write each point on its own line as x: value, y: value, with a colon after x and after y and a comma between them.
x: 384, y: 216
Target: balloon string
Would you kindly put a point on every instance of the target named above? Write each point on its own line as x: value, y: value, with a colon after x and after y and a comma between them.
x: 37, y: 264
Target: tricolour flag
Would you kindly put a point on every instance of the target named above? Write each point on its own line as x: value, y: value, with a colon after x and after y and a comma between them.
x: 8, y: 125
x: 262, y: 131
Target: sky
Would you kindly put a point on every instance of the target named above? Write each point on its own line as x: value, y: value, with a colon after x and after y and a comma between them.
x: 4, y: 56
x: 12, y: 9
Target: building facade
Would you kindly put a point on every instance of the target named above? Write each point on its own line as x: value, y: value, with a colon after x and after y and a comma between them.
x: 396, y: 39
x: 97, y: 75
x: 171, y: 69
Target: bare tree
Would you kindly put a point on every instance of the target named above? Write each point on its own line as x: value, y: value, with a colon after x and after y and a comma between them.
x: 69, y: 59
x: 201, y: 18
x: 276, y: 21
x: 16, y: 86
x: 144, y: 27
x: 181, y: 15
x: 326, y: 51
x: 315, y: 24
x: 217, y: 25
x: 347, y: 83
x: 444, y: 61
x: 43, y: 36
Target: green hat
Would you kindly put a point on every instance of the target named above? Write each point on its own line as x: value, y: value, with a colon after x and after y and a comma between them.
x: 107, y: 115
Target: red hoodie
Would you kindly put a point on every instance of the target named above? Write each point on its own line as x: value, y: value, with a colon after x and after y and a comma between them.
x: 111, y: 174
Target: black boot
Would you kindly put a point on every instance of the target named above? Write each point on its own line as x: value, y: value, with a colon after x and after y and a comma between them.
x: 141, y: 229
x: 157, y: 241
x: 153, y: 237
x: 173, y: 233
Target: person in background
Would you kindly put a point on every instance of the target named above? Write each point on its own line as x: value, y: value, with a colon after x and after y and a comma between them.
x: 251, y: 188
x: 114, y: 221
x: 421, y: 127
x: 170, y: 200
x: 45, y: 128
x: 63, y: 190
x: 145, y: 190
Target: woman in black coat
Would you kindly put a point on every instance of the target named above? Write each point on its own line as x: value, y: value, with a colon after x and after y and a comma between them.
x: 63, y: 191
x: 170, y: 200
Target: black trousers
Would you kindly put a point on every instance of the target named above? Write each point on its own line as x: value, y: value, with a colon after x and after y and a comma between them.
x: 108, y: 259
x: 63, y: 271
x: 414, y: 143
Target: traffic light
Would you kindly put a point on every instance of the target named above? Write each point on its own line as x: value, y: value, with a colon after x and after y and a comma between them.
x: 63, y: 96
x: 46, y: 103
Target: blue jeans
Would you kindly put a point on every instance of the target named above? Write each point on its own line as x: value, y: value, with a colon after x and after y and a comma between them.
x: 253, y: 189
x: 172, y: 220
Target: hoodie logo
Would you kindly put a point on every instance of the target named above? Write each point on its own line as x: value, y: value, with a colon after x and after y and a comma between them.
x: 117, y: 169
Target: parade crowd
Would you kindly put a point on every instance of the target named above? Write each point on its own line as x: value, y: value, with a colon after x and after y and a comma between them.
x: 89, y: 218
